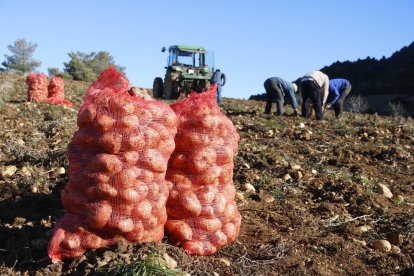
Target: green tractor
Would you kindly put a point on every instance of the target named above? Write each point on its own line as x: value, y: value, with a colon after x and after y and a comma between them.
x: 189, y: 68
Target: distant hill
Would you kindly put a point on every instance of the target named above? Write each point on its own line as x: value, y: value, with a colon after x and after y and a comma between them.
x: 369, y: 76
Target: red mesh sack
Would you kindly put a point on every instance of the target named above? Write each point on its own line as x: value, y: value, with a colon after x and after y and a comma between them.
x: 37, y: 87
x: 117, y: 163
x: 201, y: 208
x: 56, y: 92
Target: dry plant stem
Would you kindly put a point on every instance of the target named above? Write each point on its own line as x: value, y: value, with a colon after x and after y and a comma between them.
x: 330, y: 222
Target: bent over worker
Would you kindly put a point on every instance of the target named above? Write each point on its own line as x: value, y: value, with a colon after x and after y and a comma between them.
x: 338, y: 90
x: 315, y: 89
x: 277, y: 89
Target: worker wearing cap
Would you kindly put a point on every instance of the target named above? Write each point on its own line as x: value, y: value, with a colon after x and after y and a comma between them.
x: 338, y: 90
x: 314, y: 87
x: 277, y: 89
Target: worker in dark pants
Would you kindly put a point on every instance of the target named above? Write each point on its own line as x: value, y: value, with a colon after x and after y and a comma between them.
x: 219, y: 78
x: 314, y: 87
x: 276, y: 89
x: 339, y: 89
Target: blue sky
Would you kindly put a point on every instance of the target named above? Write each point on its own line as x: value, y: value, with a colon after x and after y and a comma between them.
x: 252, y: 40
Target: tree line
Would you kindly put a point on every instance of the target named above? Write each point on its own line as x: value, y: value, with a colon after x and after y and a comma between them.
x: 81, y: 66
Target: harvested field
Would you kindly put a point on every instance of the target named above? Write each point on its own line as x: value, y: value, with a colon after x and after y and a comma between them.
x: 319, y: 197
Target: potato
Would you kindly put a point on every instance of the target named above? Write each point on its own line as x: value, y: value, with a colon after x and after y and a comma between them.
x: 97, y: 178
x: 160, y: 215
x: 208, y: 176
x: 123, y: 208
x: 154, y: 234
x: 193, y: 247
x: 110, y: 142
x: 225, y: 155
x: 226, y: 175
x: 179, y: 229
x: 153, y: 191
x: 97, y: 215
x: 121, y: 106
x: 145, y: 175
x: 170, y: 120
x: 179, y: 180
x: 58, y: 236
x: 189, y: 203
x: 135, y: 141
x: 207, y: 211
x: 127, y: 177
x: 202, y: 159
x: 206, y: 194
x: 107, y: 162
x: 230, y: 211
x: 91, y: 241
x: 136, y: 234
x: 228, y: 190
x: 160, y: 202
x: 129, y: 195
x: 86, y: 116
x: 73, y: 201
x: 104, y: 123
x: 154, y: 160
x: 219, y: 203
x: 143, y: 209
x: 162, y: 131
x: 131, y: 157
x: 129, y: 122
x: 216, y: 142
x: 142, y: 190
x: 122, y: 224
x: 145, y: 116
x: 101, y: 191
x: 230, y: 231
x: 209, y: 248
x: 194, y: 139
x: 208, y: 224
x: 71, y: 241
x: 166, y: 146
x: 84, y: 137
x: 150, y: 223
x: 156, y: 110
x: 210, y: 122
x: 150, y: 137
x: 219, y: 239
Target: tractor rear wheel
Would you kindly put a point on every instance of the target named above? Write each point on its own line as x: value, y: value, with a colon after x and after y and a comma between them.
x: 157, y: 88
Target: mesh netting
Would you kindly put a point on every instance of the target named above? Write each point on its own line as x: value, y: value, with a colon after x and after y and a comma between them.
x: 37, y: 87
x: 202, y: 212
x: 56, y: 92
x: 117, y: 164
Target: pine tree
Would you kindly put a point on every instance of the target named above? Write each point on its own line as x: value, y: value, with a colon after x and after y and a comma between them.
x: 22, y: 59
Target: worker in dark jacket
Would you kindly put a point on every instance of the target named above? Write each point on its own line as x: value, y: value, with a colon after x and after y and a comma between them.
x: 338, y: 90
x: 277, y: 89
x: 219, y: 78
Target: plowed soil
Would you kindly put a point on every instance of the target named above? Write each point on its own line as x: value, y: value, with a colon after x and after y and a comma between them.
x: 318, y: 205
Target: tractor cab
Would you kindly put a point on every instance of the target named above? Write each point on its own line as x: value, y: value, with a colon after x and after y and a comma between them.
x: 189, y: 68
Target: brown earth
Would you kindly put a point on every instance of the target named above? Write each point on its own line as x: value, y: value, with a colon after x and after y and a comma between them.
x: 317, y: 208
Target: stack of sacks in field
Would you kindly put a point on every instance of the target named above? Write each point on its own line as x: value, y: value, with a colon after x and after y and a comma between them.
x: 117, y: 163
x: 56, y: 92
x: 37, y: 87
x: 201, y: 208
